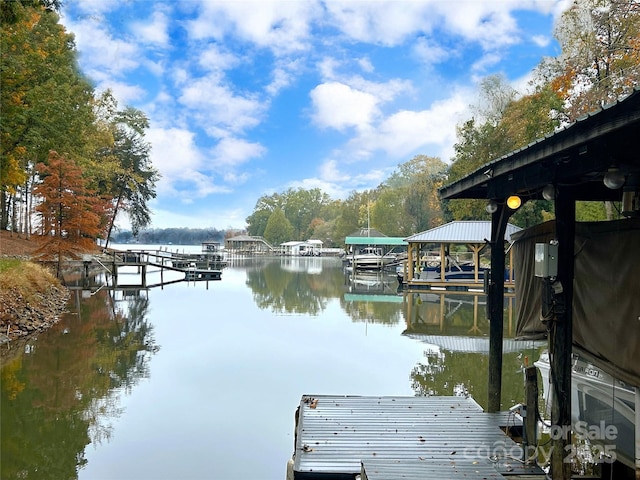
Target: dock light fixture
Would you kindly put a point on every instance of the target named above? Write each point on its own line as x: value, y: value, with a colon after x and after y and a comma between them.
x: 549, y: 192
x: 614, y: 178
x: 491, y: 207
x: 514, y: 202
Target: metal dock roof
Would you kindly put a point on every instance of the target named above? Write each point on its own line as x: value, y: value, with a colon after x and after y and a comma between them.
x: 402, y: 437
x: 467, y: 231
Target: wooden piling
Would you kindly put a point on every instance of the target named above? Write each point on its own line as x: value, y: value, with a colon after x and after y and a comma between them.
x: 531, y: 420
x: 637, y: 409
x: 499, y: 221
x: 561, y: 338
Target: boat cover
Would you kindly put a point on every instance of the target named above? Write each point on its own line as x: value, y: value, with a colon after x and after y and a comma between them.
x: 606, y: 302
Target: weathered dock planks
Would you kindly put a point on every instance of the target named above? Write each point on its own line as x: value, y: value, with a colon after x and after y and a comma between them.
x: 382, y: 438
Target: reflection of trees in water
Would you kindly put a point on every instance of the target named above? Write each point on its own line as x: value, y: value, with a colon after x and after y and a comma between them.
x: 466, y: 373
x: 372, y: 297
x: 373, y: 311
x: 462, y: 371
x: 284, y: 291
x: 64, y: 391
x: 129, y: 338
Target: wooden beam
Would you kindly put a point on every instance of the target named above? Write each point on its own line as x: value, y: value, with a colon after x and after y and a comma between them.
x: 476, y: 261
x: 562, y: 330
x: 531, y: 419
x: 499, y: 221
x: 410, y: 268
x: 637, y: 409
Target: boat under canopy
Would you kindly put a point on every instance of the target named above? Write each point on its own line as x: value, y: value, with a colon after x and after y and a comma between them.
x: 606, y: 300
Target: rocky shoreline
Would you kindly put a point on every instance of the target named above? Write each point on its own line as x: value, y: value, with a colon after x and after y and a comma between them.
x: 31, y: 299
x: 20, y: 317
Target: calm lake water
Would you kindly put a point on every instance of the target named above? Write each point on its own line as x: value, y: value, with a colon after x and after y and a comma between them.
x: 201, y: 380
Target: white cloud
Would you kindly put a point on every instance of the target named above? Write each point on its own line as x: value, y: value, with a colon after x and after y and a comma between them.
x: 541, y: 40
x: 489, y: 23
x: 391, y: 23
x: 280, y: 26
x: 384, y: 22
x: 383, y: 91
x: 339, y: 106
x: 235, y: 178
x: 334, y: 190
x: 214, y: 59
x: 366, y: 65
x: 330, y: 173
x: 153, y: 31
x: 283, y: 75
x: 234, y: 151
x: 327, y: 68
x: 197, y: 218
x: 93, y: 8
x: 180, y: 163
x: 220, y: 110
x: 174, y: 150
x: 407, y: 132
x: 428, y: 51
x: 485, y: 62
x: 102, y: 52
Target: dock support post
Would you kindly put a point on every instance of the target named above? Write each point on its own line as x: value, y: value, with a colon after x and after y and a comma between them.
x: 144, y: 275
x: 561, y: 336
x: 637, y: 409
x: 85, y: 273
x: 499, y: 221
x: 531, y: 420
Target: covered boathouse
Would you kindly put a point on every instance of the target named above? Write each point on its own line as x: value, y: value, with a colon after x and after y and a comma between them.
x: 372, y: 240
x: 576, y: 286
x: 432, y: 264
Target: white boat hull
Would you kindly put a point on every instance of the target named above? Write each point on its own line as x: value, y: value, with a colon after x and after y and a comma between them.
x: 598, y: 402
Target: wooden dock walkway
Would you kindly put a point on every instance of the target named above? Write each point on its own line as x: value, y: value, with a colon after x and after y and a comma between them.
x: 194, y: 266
x: 384, y: 438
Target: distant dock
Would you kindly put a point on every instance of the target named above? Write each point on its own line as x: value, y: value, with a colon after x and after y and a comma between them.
x: 195, y: 267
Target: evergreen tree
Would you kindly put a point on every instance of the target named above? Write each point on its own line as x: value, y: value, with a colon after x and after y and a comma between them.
x: 279, y: 229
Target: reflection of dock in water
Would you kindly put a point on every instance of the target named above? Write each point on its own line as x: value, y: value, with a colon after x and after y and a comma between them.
x: 452, y: 313
x: 374, y: 281
x: 471, y: 344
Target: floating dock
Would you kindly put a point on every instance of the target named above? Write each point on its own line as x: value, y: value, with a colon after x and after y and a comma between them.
x: 385, y: 438
x: 196, y: 274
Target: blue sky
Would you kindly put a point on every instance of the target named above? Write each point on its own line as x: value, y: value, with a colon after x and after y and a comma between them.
x: 250, y: 98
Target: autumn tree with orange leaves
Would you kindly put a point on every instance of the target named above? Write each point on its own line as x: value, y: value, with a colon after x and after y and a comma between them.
x: 71, y: 215
x: 600, y: 60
